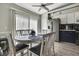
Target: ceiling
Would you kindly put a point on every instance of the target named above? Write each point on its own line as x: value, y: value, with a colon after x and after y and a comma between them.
x: 35, y: 9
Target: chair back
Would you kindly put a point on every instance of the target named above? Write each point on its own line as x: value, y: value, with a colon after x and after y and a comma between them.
x: 6, y: 44
x: 47, y: 47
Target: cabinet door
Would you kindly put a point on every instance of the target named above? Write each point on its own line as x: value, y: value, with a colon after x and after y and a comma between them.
x: 71, y: 18
x: 63, y: 19
x: 56, y: 16
x: 77, y: 17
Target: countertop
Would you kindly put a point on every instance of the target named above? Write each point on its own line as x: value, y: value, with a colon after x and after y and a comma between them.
x: 67, y: 30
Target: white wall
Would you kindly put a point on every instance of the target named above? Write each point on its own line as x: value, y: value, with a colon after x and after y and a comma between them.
x: 4, y: 18
x: 45, y: 23
x: 44, y: 18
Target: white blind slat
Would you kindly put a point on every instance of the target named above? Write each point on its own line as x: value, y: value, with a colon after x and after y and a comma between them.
x: 21, y: 22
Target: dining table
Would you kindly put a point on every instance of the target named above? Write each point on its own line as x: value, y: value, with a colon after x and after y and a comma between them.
x: 29, y: 39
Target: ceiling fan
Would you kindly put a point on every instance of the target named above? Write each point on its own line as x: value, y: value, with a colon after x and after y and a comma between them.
x: 43, y: 5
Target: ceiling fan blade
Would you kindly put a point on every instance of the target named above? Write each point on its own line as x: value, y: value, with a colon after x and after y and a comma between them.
x: 47, y: 4
x: 36, y: 5
x: 39, y: 9
x: 45, y: 8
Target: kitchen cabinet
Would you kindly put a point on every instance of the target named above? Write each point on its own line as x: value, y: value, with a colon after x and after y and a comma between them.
x: 63, y: 18
x: 70, y: 18
x: 67, y: 36
x: 56, y: 16
x: 77, y: 37
x: 77, y: 17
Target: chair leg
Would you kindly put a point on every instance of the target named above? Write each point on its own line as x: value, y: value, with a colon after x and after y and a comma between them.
x: 30, y: 54
x: 27, y: 51
x: 53, y: 50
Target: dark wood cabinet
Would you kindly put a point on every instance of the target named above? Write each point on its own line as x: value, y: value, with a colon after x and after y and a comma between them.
x: 67, y: 36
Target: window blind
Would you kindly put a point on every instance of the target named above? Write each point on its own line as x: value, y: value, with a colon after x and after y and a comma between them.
x: 21, y: 22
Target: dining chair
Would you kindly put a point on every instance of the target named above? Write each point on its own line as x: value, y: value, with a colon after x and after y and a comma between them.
x: 7, y: 45
x: 4, y: 48
x: 46, y: 46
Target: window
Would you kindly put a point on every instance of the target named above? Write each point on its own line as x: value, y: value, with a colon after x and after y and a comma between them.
x: 21, y: 22
x: 24, y: 22
x: 33, y: 23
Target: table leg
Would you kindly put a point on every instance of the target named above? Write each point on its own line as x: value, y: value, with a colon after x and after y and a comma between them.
x: 30, y: 54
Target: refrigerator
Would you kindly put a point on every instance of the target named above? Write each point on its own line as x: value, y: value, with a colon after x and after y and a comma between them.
x: 55, y: 27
